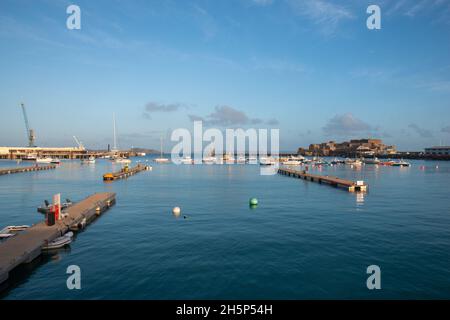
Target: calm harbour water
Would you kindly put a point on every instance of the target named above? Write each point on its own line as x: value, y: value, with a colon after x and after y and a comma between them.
x: 303, y: 241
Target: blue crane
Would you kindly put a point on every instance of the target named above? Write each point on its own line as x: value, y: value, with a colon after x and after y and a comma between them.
x: 30, y: 132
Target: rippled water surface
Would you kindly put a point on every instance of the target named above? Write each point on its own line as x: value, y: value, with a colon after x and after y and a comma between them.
x: 304, y: 240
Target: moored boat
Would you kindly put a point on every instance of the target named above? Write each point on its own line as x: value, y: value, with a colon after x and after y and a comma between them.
x: 187, y: 160
x: 59, y: 242
x: 90, y: 160
x: 401, y: 163
x: 161, y: 159
x: 267, y: 161
x: 241, y: 159
x: 372, y: 161
x: 353, y: 162
x: 209, y: 160
x: 44, y: 160
x: 11, y: 231
x: 122, y: 160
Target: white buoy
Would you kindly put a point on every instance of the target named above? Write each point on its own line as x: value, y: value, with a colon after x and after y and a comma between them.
x: 176, y: 211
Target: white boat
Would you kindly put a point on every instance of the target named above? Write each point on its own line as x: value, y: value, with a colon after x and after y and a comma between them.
x: 401, y: 163
x: 291, y: 162
x: 228, y: 158
x: 16, y: 228
x: 56, y: 161
x: 161, y: 159
x: 90, y: 160
x: 122, y: 160
x: 353, y: 162
x: 44, y: 160
x: 267, y: 161
x: 6, y: 235
x: 209, y: 160
x: 320, y: 162
x: 59, y: 242
x: 298, y: 158
x: 187, y: 160
x: 337, y: 161
x: 30, y: 157
x: 252, y: 159
x: 372, y: 161
x: 11, y: 231
x: 241, y: 159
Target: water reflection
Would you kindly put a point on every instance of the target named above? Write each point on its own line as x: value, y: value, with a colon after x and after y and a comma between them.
x: 360, y: 198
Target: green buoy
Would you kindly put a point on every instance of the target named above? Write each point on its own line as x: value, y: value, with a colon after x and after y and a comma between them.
x: 253, y: 202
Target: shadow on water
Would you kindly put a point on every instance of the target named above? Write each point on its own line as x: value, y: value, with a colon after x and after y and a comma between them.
x: 19, y: 275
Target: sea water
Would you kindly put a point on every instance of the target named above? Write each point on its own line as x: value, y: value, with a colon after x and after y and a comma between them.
x: 304, y: 240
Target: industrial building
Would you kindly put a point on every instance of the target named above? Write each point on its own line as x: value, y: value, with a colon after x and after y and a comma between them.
x: 438, y: 151
x: 41, y: 152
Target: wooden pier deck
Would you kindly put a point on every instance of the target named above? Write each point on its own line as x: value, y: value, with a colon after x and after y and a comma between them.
x: 26, y: 169
x: 125, y: 172
x: 27, y: 245
x: 349, y: 185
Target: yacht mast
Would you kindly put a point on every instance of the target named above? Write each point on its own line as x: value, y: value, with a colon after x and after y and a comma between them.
x: 114, y: 132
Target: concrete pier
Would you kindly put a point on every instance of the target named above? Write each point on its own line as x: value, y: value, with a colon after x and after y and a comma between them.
x: 26, y: 169
x: 350, y: 186
x: 27, y: 245
x: 125, y: 172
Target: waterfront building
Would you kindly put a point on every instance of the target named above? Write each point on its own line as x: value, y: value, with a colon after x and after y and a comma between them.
x: 438, y: 151
x: 25, y: 152
x: 356, y: 147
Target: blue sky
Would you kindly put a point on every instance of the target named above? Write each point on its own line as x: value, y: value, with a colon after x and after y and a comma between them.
x: 310, y: 68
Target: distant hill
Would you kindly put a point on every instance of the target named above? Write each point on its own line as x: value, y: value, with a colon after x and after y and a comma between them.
x: 147, y: 151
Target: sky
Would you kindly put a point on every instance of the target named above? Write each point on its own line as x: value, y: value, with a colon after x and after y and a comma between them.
x: 310, y: 68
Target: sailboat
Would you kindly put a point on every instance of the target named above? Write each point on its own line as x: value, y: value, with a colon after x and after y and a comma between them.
x: 117, y: 159
x: 161, y: 159
x: 210, y: 158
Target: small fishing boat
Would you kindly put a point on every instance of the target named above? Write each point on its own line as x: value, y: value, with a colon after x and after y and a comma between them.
x: 267, y: 161
x: 90, y: 160
x: 30, y: 157
x: 319, y: 162
x: 297, y: 157
x: 386, y: 163
x: 4, y: 235
x: 401, y: 163
x: 228, y: 158
x: 55, y: 161
x: 209, y: 160
x: 44, y: 160
x: 353, y: 162
x: 292, y: 161
x: 122, y: 160
x: 241, y: 159
x: 11, y: 231
x: 187, y: 160
x: 337, y: 161
x: 45, y: 208
x: 372, y: 161
x: 59, y: 242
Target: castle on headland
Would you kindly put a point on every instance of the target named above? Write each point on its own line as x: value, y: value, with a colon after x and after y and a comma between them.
x: 352, y: 148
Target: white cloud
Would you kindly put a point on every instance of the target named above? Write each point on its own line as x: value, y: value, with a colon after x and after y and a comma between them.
x: 326, y: 14
x: 346, y: 125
